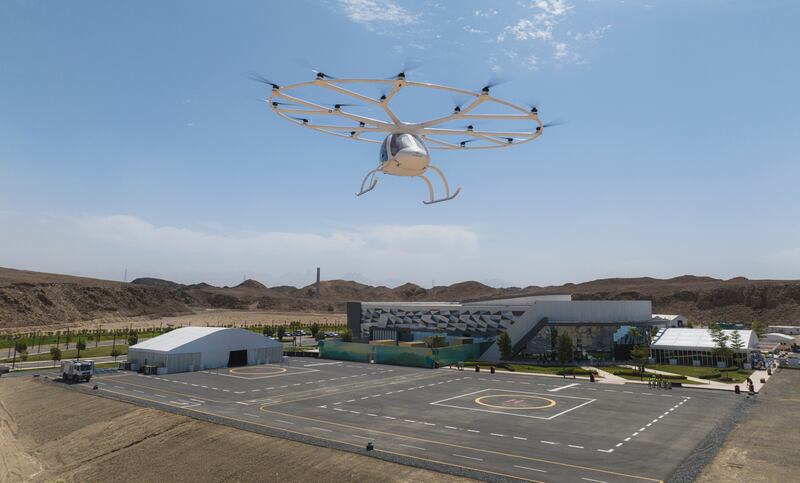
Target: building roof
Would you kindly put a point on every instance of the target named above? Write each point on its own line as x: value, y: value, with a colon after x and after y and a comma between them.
x: 778, y: 336
x: 666, y: 316
x: 205, y: 339
x: 690, y: 339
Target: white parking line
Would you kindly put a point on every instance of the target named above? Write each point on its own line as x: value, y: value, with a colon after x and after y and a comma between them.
x: 361, y: 437
x: 498, y: 434
x: 451, y: 427
x: 555, y: 389
x: 575, y: 446
x: 530, y: 469
x: 410, y: 446
x: 606, y: 450
x: 547, y: 442
x: 520, y: 437
x: 473, y: 431
x: 467, y: 457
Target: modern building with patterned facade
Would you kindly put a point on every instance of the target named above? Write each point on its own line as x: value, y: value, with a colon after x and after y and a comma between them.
x: 599, y: 329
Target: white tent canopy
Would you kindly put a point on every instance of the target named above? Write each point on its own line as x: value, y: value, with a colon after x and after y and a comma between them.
x: 699, y: 339
x: 199, y: 348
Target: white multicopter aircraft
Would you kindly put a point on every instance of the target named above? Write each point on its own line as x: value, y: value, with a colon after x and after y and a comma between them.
x: 404, y: 149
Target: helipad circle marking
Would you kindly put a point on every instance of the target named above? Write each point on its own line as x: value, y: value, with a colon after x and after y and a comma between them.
x: 257, y: 370
x: 549, y: 402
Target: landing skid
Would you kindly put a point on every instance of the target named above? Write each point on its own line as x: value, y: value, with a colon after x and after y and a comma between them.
x: 373, y: 181
x: 447, y: 196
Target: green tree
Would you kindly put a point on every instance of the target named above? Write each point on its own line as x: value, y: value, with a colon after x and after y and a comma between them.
x: 504, y: 345
x: 346, y: 335
x: 80, y: 345
x: 758, y: 327
x: 640, y: 354
x: 720, y: 339
x: 689, y: 324
x: 564, y: 347
x: 281, y: 332
x: 314, y: 329
x: 320, y: 335
x: 115, y: 353
x: 133, y: 338
x: 736, y: 345
x: 438, y: 341
x: 23, y: 356
x: 268, y: 330
x: 634, y: 334
x: 55, y: 354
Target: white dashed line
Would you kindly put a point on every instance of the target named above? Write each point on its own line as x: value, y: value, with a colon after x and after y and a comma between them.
x: 520, y: 437
x: 473, y: 431
x: 321, y: 429
x: 575, y: 446
x: 529, y: 468
x: 282, y: 421
x: 467, y: 457
x: 451, y: 427
x: 415, y: 447
x: 361, y: 437
x: 252, y: 415
x: 498, y: 434
x: 547, y: 442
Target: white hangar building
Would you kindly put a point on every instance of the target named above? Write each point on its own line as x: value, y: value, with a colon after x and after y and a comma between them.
x: 199, y: 348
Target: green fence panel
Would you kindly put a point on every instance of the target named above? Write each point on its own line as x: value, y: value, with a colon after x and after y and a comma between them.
x: 400, y: 355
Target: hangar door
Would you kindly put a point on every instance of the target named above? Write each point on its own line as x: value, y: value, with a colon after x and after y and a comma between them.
x: 237, y: 358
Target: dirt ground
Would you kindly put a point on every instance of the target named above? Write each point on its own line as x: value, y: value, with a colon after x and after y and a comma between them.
x: 764, y: 448
x: 50, y: 433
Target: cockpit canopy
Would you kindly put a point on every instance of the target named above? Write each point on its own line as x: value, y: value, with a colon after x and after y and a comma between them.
x: 398, y: 142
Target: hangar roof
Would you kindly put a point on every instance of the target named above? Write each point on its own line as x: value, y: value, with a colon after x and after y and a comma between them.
x: 205, y: 339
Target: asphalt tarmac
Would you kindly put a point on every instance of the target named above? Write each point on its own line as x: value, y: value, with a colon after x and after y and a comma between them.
x: 489, y: 426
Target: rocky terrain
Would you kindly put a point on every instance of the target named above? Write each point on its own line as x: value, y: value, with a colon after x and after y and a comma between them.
x: 30, y: 299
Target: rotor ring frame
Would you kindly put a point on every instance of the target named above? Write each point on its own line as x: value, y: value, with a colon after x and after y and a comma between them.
x: 424, y: 129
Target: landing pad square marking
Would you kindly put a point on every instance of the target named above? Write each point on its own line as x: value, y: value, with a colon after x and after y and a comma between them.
x: 474, y: 401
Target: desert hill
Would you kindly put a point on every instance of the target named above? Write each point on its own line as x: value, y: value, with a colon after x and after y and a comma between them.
x: 37, y: 299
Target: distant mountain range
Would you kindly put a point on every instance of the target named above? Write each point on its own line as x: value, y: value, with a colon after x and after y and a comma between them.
x: 42, y: 299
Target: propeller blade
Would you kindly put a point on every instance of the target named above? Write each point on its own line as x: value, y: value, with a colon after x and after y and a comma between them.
x: 458, y: 102
x: 554, y: 123
x: 317, y: 72
x: 494, y: 81
x: 259, y: 78
x: 533, y: 105
x: 304, y: 120
x: 465, y: 142
x: 409, y: 65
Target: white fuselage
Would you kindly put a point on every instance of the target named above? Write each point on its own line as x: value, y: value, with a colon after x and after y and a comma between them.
x: 404, y: 154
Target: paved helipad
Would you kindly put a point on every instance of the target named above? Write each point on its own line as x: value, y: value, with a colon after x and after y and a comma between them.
x: 492, y: 426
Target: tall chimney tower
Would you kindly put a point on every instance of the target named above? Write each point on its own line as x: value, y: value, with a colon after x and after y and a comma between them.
x: 317, y: 282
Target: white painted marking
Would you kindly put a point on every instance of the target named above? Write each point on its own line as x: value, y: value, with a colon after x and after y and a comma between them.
x: 321, y: 429
x: 389, y: 417
x: 409, y: 420
x: 619, y: 444
x: 635, y: 434
x: 322, y: 364
x: 467, y: 457
x: 555, y: 389
x: 340, y: 409
x: 373, y: 415
x: 252, y: 415
x: 282, y: 421
x: 520, y: 437
x: 238, y: 392
x: 354, y: 412
x: 575, y: 446
x: 451, y: 427
x: 204, y: 387
x: 649, y: 424
x: 473, y: 431
x: 606, y: 450
x: 641, y: 429
x: 410, y: 446
x: 140, y: 392
x: 197, y: 400
x: 159, y: 395
x: 498, y: 434
x: 195, y: 385
x: 627, y: 439
x: 350, y: 400
x: 547, y: 442
x: 529, y: 468
x: 428, y: 424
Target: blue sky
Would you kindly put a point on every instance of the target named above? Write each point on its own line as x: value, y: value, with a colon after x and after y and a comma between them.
x: 130, y: 136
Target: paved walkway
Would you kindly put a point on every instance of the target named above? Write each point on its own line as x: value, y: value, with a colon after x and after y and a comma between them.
x: 708, y: 384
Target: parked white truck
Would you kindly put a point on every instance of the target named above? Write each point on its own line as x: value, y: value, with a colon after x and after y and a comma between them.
x: 77, y: 371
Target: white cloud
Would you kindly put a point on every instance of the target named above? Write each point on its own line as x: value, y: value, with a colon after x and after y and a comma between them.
x: 98, y: 245
x: 595, y: 34
x: 489, y: 12
x: 526, y: 29
x: 552, y: 7
x: 372, y: 11
x: 473, y: 30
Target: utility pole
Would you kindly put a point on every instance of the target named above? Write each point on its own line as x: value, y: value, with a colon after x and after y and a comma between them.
x: 317, y: 294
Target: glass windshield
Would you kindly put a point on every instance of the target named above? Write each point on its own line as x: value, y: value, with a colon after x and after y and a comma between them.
x: 86, y: 367
x: 406, y: 141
